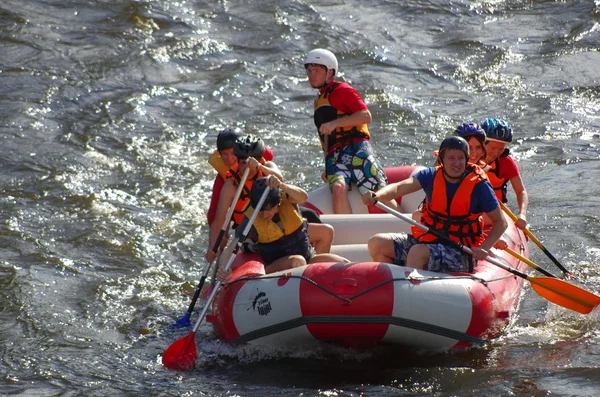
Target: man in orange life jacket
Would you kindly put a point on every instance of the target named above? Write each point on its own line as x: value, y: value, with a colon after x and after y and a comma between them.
x: 279, y: 231
x: 341, y: 118
x: 222, y: 160
x: 249, y: 151
x: 457, y: 194
x: 502, y: 168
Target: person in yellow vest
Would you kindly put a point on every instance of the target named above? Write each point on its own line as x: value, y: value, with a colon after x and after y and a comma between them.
x: 279, y: 231
x: 341, y: 118
x: 457, y: 194
x: 222, y: 160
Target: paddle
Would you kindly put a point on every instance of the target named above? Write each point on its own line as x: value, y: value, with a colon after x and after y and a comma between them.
x: 555, y: 290
x: 528, y: 262
x: 185, y: 320
x: 181, y: 355
x: 535, y: 240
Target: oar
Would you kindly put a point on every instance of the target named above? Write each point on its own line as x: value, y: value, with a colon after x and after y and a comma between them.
x: 181, y: 355
x: 555, y: 290
x: 185, y: 320
x: 535, y: 240
x: 528, y: 262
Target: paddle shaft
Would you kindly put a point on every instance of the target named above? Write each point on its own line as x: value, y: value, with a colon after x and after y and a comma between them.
x: 232, y: 257
x: 557, y: 291
x: 534, y: 239
x: 224, y: 228
x: 447, y: 239
x: 530, y: 263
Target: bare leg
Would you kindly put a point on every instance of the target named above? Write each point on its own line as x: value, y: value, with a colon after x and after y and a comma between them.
x: 321, y: 237
x: 381, y: 248
x: 328, y: 258
x: 418, y: 256
x: 284, y: 263
x: 339, y: 191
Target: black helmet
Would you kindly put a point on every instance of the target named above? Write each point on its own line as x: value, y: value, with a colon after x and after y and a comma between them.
x: 497, y: 130
x: 226, y: 139
x: 249, y: 146
x: 454, y: 142
x: 273, y: 198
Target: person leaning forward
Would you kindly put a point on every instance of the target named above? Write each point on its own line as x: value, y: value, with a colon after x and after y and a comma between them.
x: 249, y: 151
x: 341, y: 118
x: 457, y: 194
x: 279, y: 231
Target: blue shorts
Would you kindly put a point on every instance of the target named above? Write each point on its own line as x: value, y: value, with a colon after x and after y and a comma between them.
x: 356, y: 163
x: 442, y: 258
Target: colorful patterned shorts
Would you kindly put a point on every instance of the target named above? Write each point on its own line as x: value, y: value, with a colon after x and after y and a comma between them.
x: 442, y: 258
x: 356, y: 163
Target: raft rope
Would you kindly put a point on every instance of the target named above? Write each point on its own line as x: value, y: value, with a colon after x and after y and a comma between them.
x: 401, y: 322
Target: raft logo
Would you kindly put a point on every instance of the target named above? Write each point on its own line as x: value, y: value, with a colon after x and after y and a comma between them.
x: 261, y: 304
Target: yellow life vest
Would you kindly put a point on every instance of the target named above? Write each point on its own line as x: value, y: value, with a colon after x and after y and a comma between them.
x: 217, y: 162
x: 325, y: 113
x: 269, y: 231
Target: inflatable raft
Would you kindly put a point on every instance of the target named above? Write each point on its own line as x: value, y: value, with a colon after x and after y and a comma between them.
x: 365, y: 302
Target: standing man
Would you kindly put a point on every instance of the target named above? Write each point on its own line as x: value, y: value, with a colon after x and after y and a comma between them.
x: 341, y: 118
x: 458, y: 194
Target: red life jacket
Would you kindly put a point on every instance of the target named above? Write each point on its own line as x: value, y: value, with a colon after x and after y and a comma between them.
x: 452, y: 217
x: 499, y: 184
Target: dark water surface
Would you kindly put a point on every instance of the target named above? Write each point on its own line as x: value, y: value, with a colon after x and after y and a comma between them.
x: 110, y: 110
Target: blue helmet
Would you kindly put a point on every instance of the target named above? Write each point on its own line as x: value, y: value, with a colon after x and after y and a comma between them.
x: 497, y: 130
x: 465, y: 130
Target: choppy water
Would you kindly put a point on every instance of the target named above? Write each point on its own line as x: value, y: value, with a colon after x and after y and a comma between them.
x: 110, y: 109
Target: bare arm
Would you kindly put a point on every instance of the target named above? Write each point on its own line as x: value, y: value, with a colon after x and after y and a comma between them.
x: 227, y: 195
x: 498, y: 227
x: 270, y: 168
x: 392, y: 191
x: 522, y: 200
x: 295, y: 194
x: 355, y: 119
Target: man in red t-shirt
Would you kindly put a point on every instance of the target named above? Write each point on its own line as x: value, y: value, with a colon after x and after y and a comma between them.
x: 341, y: 118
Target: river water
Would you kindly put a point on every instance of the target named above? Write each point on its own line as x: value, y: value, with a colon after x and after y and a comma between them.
x: 110, y: 110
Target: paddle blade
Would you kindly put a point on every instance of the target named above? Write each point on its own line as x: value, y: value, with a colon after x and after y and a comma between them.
x: 565, y: 294
x: 181, y: 355
x: 183, y: 321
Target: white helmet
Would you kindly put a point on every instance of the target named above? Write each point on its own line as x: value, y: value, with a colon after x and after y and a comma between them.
x: 323, y: 57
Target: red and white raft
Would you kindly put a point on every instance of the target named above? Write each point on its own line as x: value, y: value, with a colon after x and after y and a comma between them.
x: 364, y: 302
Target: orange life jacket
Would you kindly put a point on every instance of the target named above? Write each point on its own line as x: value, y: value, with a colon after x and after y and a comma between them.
x: 243, y: 201
x: 453, y: 217
x: 342, y: 136
x: 499, y: 184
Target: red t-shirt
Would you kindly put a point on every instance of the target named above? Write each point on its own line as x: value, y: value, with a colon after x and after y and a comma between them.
x: 508, y: 168
x: 214, y: 201
x: 345, y: 98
